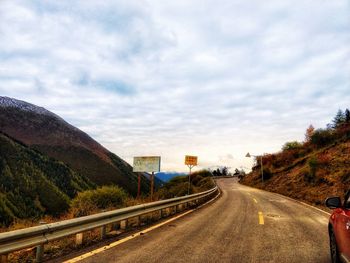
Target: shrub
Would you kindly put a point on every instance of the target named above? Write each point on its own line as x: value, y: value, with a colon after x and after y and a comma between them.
x: 195, y: 178
x: 205, y: 183
x: 322, y: 137
x: 178, y: 186
x: 174, y: 190
x: 102, y: 198
x: 285, y: 158
x: 343, y: 132
x: 203, y: 173
x: 312, y: 168
x: 291, y: 146
x: 267, y: 174
x: 269, y: 159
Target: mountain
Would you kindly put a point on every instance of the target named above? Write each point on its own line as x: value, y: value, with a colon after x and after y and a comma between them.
x: 32, y: 184
x: 311, y: 170
x: 50, y: 135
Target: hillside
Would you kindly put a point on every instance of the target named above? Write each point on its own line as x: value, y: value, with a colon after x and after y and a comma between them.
x: 311, y: 170
x: 178, y: 185
x: 49, y: 134
x: 166, y: 176
x: 32, y: 185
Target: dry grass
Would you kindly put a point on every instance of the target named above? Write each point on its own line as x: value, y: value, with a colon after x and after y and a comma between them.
x: 66, y: 245
x: 311, y: 178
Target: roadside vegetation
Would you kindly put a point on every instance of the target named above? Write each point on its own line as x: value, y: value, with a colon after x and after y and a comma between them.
x: 310, y: 170
x: 32, y: 185
x: 112, y: 197
x: 178, y: 186
x: 101, y: 199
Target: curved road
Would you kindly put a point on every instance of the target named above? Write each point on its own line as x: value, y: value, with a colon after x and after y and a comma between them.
x: 243, y: 225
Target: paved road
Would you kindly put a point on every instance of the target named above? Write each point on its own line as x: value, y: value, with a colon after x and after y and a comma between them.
x: 232, y: 230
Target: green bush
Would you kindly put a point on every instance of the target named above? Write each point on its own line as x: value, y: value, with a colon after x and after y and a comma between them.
x: 291, y: 146
x: 313, y: 164
x: 101, y: 198
x: 322, y: 137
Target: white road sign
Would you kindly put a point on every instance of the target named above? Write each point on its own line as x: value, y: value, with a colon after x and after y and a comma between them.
x: 147, y: 164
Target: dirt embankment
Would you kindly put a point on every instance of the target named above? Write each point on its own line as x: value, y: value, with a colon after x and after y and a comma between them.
x: 307, y: 174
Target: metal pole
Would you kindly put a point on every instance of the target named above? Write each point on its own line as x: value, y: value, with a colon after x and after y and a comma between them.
x: 152, y: 183
x: 139, y: 186
x: 39, y: 253
x: 189, y: 180
x: 262, y: 169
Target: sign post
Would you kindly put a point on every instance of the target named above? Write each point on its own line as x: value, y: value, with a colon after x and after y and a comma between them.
x: 146, y: 164
x: 138, y: 186
x: 190, y: 161
x: 152, y: 185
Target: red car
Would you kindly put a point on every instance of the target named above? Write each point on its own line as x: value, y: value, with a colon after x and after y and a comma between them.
x: 339, y: 228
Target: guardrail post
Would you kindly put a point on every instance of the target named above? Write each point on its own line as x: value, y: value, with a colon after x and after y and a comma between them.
x: 40, y: 249
x: 103, y: 232
x: 123, y: 224
x: 79, y: 239
x: 39, y: 253
x: 116, y: 226
x: 3, y: 258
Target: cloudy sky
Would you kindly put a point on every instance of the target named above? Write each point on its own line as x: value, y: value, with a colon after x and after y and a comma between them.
x: 151, y: 77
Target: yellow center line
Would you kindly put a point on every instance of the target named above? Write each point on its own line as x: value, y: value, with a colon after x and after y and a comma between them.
x: 255, y: 200
x: 261, y: 218
x: 114, y: 244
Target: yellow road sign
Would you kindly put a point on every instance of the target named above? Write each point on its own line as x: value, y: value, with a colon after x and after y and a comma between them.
x: 191, y: 160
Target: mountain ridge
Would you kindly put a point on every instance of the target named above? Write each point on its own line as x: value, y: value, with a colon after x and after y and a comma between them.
x: 51, y: 135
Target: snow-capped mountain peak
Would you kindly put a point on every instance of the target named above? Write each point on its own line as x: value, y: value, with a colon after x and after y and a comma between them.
x: 7, y: 102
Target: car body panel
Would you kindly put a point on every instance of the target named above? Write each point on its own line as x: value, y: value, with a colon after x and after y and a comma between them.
x: 339, y: 222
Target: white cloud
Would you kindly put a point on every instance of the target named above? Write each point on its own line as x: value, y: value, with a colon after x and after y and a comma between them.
x: 211, y: 78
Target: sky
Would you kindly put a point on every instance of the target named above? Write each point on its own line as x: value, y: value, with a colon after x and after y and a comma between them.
x: 215, y: 79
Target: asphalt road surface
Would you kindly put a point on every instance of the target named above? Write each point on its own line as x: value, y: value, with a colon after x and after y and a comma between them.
x: 243, y: 225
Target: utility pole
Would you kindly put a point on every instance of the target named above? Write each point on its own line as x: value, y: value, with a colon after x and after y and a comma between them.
x: 261, y: 164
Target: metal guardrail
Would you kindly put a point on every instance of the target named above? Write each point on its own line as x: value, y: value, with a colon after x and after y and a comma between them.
x: 39, y: 235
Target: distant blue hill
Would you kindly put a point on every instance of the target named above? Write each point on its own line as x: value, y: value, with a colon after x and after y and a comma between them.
x: 166, y: 176
x: 157, y: 181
